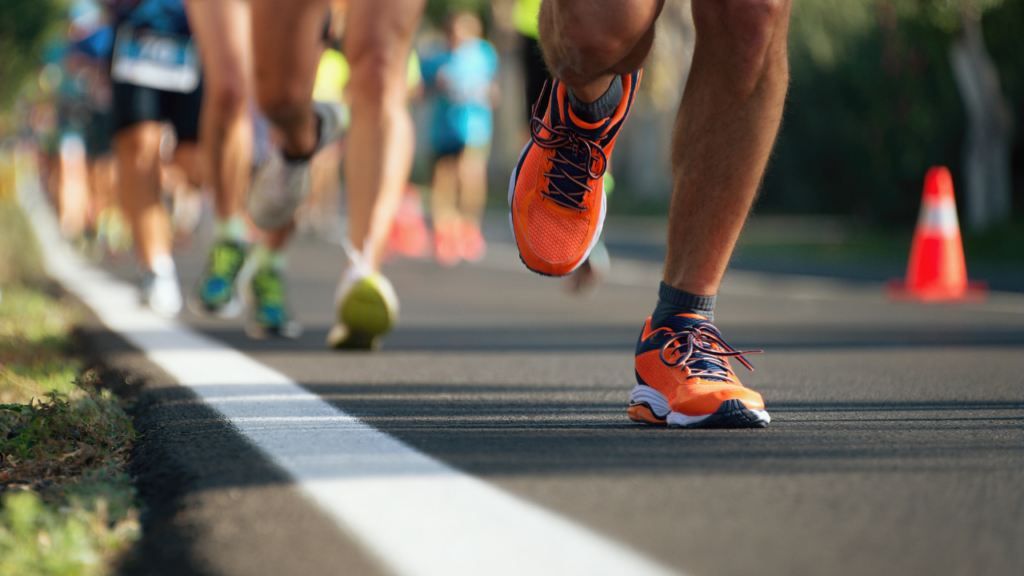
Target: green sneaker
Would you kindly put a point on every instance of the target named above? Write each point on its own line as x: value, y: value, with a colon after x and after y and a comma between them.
x: 366, y: 307
x: 270, y: 315
x: 217, y: 290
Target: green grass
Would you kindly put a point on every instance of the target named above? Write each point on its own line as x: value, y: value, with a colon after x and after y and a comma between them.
x: 67, y: 505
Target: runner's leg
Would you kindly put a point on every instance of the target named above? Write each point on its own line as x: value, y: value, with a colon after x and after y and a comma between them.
x: 586, y: 43
x: 445, y: 210
x: 380, y: 146
x: 472, y: 166
x: 287, y: 54
x: 223, y: 34
x: 724, y: 133
x: 444, y: 190
x: 138, y: 159
x: 222, y: 29
x: 728, y: 118
x: 188, y: 157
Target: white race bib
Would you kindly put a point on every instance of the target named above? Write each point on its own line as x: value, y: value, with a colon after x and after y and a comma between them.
x: 154, y: 60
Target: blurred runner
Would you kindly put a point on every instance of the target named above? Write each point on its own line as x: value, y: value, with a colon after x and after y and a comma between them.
x: 92, y: 35
x: 92, y: 38
x: 320, y: 212
x: 70, y: 74
x: 409, y: 234
x: 222, y: 30
x: 156, y: 78
x: 380, y: 147
x: 725, y: 130
x: 462, y: 75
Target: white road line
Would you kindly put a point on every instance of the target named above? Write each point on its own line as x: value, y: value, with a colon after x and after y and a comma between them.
x: 417, y: 515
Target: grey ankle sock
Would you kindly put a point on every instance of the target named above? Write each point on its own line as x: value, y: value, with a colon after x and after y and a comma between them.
x: 672, y: 301
x: 601, y: 108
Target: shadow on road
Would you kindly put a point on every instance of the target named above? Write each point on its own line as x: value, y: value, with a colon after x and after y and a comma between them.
x: 521, y: 429
x: 620, y: 338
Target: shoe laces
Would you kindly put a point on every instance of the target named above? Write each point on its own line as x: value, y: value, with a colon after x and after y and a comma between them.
x: 577, y: 159
x: 700, y: 349
x: 226, y: 260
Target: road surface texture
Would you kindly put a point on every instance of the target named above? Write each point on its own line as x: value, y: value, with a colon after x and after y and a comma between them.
x: 895, y: 445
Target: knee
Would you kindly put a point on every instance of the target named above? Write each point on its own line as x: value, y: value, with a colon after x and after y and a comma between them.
x: 576, y: 37
x: 379, y: 75
x: 283, y: 102
x: 138, y: 145
x: 226, y: 97
x: 750, y: 31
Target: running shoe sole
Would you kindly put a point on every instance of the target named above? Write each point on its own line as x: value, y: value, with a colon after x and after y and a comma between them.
x: 363, y: 317
x: 512, y: 220
x: 648, y: 406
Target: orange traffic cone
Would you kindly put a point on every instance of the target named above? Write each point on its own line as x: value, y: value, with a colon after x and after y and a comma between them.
x: 937, y: 271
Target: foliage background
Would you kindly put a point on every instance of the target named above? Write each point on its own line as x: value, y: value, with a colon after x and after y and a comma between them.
x: 24, y: 25
x: 873, y: 104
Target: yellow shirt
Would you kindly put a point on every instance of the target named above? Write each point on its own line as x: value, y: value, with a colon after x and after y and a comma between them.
x: 524, y: 16
x: 331, y: 76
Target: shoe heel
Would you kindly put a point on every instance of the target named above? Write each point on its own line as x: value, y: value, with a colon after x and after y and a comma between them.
x: 366, y: 314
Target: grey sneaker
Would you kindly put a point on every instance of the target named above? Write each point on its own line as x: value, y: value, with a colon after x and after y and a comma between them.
x: 280, y: 185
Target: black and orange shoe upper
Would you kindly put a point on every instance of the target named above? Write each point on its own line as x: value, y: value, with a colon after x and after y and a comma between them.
x: 687, y: 361
x: 557, y: 193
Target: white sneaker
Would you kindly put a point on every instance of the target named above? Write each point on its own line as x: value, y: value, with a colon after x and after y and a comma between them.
x: 280, y: 185
x: 161, y: 293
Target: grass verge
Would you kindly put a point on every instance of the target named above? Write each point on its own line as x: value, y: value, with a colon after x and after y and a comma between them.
x: 67, y: 505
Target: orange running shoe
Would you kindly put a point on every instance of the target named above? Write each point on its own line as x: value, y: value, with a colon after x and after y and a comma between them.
x: 556, y: 192
x: 684, y: 378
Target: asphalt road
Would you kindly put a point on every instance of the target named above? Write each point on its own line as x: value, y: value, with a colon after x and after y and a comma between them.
x: 895, y: 446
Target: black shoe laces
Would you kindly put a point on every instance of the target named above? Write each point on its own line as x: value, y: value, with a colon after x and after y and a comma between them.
x: 701, y: 350
x: 577, y: 160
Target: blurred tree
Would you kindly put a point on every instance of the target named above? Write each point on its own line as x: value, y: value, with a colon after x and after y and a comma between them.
x: 988, y: 146
x: 23, y: 26
x: 875, y: 101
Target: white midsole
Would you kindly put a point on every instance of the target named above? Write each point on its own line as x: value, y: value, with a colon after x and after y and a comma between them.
x: 659, y: 405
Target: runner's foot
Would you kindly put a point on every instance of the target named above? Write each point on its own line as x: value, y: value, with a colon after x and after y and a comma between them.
x: 684, y: 378
x: 281, y: 184
x: 366, y: 307
x: 217, y: 290
x: 556, y: 192
x: 271, y: 316
x: 160, y: 291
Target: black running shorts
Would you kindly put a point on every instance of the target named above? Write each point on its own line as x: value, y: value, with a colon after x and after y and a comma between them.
x: 134, y: 104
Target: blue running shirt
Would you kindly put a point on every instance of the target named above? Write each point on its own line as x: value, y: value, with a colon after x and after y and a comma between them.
x: 462, y: 78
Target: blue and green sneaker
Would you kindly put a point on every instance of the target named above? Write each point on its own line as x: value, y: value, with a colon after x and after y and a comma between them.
x: 217, y: 291
x: 270, y: 315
